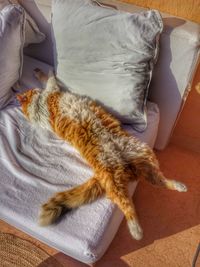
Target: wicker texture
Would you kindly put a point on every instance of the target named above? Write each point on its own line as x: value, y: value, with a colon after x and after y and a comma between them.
x: 16, y: 252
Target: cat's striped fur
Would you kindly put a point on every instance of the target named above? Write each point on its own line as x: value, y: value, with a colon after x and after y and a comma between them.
x: 116, y: 157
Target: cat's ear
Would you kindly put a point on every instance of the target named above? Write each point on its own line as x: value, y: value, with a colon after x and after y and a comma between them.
x: 21, y: 98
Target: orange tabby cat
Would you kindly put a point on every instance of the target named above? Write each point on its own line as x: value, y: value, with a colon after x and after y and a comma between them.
x: 116, y: 157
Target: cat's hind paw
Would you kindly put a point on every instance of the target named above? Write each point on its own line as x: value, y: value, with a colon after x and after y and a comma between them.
x: 180, y: 187
x: 135, y: 229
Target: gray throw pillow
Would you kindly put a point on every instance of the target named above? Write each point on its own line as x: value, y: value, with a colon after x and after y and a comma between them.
x: 107, y: 54
x: 12, y: 20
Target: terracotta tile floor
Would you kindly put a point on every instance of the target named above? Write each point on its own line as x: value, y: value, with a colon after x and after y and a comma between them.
x: 171, y: 221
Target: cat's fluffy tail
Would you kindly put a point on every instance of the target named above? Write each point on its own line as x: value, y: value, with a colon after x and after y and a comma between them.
x: 67, y: 200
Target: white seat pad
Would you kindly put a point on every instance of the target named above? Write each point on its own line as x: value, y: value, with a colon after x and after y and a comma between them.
x: 35, y: 164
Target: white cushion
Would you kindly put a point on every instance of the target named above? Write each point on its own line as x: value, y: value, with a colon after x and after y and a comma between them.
x: 176, y: 65
x: 39, y: 164
x: 107, y: 54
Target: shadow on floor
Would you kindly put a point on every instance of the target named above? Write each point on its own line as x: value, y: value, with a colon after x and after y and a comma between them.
x: 50, y: 262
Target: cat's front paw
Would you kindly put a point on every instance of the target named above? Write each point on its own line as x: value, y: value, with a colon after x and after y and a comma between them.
x: 180, y: 187
x: 135, y: 229
x: 37, y: 72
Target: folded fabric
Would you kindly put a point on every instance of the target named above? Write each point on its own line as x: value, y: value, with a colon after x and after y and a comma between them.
x: 107, y: 54
x: 32, y: 32
x: 12, y: 35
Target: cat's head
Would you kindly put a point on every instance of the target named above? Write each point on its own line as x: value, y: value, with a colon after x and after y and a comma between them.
x: 26, y: 98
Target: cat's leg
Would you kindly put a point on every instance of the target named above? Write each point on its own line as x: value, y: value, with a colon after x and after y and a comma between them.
x: 154, y: 176
x: 157, y: 178
x: 119, y: 195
